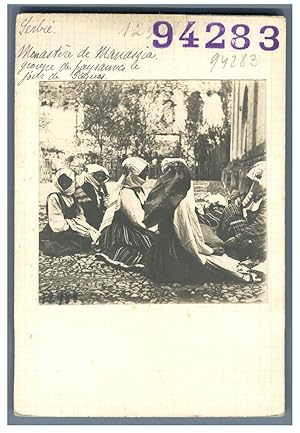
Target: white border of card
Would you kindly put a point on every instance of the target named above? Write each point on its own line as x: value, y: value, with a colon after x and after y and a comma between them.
x: 147, y: 360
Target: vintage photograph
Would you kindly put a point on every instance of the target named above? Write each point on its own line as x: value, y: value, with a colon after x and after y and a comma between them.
x: 150, y: 216
x: 152, y: 192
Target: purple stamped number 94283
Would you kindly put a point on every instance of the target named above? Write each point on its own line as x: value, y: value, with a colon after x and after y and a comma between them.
x: 240, y: 36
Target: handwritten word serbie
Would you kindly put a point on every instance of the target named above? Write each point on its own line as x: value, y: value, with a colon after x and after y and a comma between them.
x: 28, y: 26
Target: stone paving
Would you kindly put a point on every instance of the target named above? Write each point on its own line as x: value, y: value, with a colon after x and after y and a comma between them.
x: 82, y: 279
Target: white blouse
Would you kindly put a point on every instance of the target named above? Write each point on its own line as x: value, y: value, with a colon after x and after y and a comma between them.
x: 57, y: 221
x: 132, y: 206
x: 56, y: 218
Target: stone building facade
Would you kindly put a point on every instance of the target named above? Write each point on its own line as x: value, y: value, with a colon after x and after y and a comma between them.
x: 248, y: 132
x: 173, y: 114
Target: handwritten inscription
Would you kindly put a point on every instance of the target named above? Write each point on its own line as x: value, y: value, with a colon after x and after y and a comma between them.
x: 63, y: 297
x: 233, y: 61
x: 90, y: 71
x: 91, y: 64
x: 110, y: 53
x: 28, y: 51
x: 29, y: 26
x: 136, y: 29
x: 31, y: 71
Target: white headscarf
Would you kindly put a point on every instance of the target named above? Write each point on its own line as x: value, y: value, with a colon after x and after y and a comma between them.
x: 71, y: 175
x: 258, y: 173
x: 94, y: 168
x: 133, y: 166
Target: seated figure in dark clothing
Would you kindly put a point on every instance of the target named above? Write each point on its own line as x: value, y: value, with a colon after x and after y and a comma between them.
x: 183, y: 252
x: 67, y: 231
x: 243, y: 223
x: 91, y: 193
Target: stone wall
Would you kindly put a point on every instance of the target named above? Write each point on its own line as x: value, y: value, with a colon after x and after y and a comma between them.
x: 248, y: 132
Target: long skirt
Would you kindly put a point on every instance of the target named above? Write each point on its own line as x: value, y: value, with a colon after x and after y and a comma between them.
x: 168, y: 262
x: 62, y: 244
x: 232, y: 222
x: 125, y: 245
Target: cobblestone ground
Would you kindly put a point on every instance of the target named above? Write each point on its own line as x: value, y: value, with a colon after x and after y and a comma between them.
x: 82, y: 279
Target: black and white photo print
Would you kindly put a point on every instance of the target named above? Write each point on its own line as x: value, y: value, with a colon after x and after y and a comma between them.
x: 152, y: 192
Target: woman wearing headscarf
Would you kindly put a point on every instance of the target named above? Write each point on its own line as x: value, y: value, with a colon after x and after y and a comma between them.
x: 242, y: 225
x: 124, y: 238
x: 182, y: 254
x: 67, y: 231
x: 91, y: 193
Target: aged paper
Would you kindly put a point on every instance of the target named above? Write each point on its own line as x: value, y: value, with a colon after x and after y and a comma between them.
x: 95, y: 337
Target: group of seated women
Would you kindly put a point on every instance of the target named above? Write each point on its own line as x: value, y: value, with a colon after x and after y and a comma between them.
x: 163, y: 233
x: 74, y: 210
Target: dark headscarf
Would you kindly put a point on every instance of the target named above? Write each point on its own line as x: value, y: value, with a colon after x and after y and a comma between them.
x: 169, y: 190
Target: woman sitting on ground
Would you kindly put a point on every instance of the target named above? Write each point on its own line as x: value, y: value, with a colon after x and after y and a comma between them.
x: 182, y: 254
x: 124, y: 238
x: 242, y: 225
x: 67, y: 231
x: 92, y: 194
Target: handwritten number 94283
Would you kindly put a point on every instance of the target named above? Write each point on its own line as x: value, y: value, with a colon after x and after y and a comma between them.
x: 241, y: 60
x: 163, y: 32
